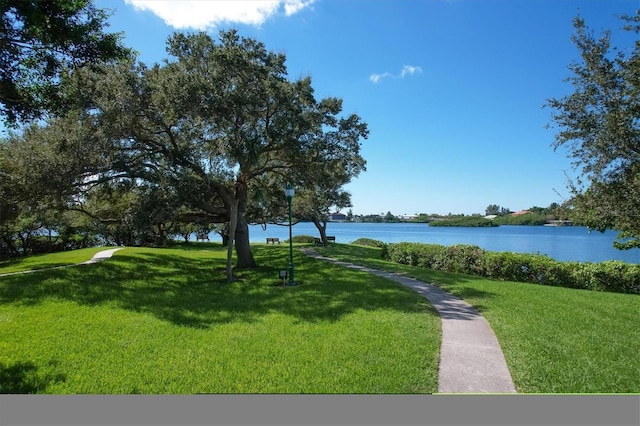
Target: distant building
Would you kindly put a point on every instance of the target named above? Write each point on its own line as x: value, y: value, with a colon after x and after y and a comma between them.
x: 408, y: 216
x: 520, y: 213
x: 337, y: 217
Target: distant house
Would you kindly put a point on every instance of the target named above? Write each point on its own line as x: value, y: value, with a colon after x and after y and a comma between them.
x: 337, y: 217
x: 520, y: 213
x: 408, y: 216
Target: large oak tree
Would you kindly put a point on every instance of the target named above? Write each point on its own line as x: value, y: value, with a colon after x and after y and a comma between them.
x: 218, y: 122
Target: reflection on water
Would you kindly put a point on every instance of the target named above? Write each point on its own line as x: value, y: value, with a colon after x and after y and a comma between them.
x: 561, y: 242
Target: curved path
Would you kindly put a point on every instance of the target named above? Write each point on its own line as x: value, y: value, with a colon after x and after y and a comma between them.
x: 101, y: 255
x: 471, y: 360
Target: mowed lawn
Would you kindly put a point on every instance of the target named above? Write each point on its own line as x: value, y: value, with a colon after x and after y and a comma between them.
x: 555, y: 340
x: 49, y: 260
x: 164, y: 321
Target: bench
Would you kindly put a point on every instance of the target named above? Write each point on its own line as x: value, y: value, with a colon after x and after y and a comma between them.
x: 273, y: 240
x: 202, y: 237
x: 318, y: 241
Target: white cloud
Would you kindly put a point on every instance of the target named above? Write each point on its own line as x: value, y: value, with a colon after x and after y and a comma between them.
x: 291, y: 7
x: 377, y: 77
x: 406, y: 70
x: 202, y: 15
x: 410, y: 70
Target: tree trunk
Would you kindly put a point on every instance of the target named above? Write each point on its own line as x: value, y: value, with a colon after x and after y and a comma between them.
x: 244, y: 257
x: 161, y: 238
x: 233, y: 223
x: 225, y: 237
x: 322, y: 229
x: 243, y: 248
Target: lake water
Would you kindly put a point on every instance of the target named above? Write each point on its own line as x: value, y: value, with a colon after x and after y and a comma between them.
x: 562, y: 242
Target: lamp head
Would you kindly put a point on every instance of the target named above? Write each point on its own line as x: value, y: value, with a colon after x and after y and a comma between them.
x: 289, y: 191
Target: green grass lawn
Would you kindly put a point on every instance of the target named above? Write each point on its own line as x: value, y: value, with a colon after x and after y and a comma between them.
x: 555, y: 340
x: 164, y: 321
x: 49, y: 260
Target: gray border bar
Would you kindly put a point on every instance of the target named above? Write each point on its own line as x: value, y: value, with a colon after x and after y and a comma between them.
x: 283, y: 410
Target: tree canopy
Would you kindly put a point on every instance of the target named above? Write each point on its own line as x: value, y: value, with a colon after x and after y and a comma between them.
x: 212, y: 134
x: 39, y: 40
x: 599, y: 125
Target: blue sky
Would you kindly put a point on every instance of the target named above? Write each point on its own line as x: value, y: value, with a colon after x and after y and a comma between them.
x: 452, y: 90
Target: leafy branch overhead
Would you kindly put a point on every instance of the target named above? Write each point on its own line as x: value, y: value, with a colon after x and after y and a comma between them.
x: 599, y: 126
x: 39, y: 42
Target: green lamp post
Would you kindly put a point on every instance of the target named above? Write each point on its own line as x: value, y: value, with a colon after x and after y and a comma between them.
x: 288, y: 192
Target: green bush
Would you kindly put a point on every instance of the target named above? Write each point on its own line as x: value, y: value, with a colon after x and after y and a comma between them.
x: 523, y: 267
x: 368, y: 242
x: 302, y: 239
x: 40, y: 244
x: 614, y: 276
x: 463, y: 258
x: 415, y: 254
x: 525, y: 219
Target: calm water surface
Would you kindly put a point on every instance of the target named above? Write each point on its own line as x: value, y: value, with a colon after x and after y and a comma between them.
x: 561, y: 243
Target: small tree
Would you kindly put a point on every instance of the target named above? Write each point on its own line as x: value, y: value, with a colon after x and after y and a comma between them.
x: 492, y: 209
x: 330, y: 164
x: 599, y: 124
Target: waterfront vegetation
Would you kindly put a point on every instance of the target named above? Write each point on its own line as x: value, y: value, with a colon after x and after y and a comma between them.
x: 612, y: 275
x: 165, y: 321
x: 470, y: 221
x: 497, y: 215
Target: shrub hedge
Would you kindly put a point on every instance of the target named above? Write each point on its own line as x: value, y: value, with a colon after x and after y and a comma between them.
x: 369, y: 242
x: 613, y: 275
x: 301, y: 239
x: 39, y: 244
x: 470, y: 221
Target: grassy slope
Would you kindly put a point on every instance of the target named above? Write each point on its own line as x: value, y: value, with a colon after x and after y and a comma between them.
x: 555, y: 340
x: 164, y: 321
x: 49, y: 260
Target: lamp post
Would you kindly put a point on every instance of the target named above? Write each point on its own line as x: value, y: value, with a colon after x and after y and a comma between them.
x: 288, y: 192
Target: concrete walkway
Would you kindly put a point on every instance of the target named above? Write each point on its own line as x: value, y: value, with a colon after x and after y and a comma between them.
x: 471, y: 360
x: 101, y: 255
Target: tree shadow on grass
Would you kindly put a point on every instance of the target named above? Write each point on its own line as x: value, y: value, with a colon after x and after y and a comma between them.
x: 23, y: 378
x: 472, y: 293
x: 192, y: 290
x: 196, y: 245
